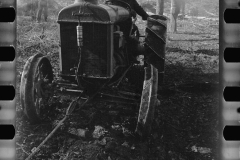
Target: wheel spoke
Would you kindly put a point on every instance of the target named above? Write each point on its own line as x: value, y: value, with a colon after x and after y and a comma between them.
x: 39, y: 94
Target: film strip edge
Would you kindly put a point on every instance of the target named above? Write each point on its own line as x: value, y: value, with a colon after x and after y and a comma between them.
x: 7, y: 79
x: 230, y: 79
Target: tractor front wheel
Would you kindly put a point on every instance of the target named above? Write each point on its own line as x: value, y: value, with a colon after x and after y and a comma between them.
x: 35, y: 88
x: 148, y: 101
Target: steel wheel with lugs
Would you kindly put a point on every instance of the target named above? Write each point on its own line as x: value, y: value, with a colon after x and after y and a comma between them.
x: 35, y: 88
x: 148, y: 101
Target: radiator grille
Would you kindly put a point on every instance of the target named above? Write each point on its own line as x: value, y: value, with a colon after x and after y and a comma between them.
x: 96, y: 52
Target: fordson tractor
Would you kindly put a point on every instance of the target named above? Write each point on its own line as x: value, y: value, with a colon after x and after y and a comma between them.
x: 94, y: 56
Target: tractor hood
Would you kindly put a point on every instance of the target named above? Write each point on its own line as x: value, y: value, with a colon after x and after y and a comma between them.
x: 98, y: 13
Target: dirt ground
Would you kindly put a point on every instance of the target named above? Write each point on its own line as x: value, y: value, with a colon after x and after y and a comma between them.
x: 186, y: 121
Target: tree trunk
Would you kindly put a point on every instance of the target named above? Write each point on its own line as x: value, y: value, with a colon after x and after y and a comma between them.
x: 160, y: 7
x: 183, y: 7
x: 175, y: 9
